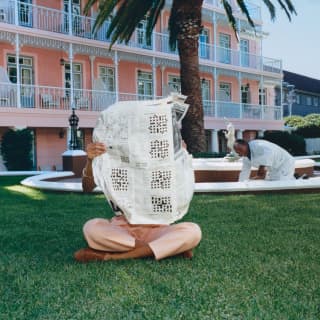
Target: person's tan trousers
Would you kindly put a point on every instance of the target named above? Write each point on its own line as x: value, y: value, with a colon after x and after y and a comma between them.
x: 117, y: 235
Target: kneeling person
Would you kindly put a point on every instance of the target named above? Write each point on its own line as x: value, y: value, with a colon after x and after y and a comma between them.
x: 272, y: 161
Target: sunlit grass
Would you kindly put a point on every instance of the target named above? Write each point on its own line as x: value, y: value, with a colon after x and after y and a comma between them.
x: 28, y: 192
x: 258, y: 259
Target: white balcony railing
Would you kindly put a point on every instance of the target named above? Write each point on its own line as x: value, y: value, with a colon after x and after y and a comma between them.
x: 228, y: 109
x: 44, y: 97
x: 57, y: 21
x: 55, y: 98
x: 253, y: 9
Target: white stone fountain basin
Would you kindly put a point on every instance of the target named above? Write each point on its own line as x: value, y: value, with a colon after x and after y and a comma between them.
x: 40, y: 181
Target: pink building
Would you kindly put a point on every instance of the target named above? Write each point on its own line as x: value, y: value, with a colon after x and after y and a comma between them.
x: 50, y: 62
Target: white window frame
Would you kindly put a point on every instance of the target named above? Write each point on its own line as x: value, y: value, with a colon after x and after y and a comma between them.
x: 262, y: 96
x: 107, y: 75
x: 174, y: 83
x: 144, y: 82
x: 77, y: 84
x: 226, y: 89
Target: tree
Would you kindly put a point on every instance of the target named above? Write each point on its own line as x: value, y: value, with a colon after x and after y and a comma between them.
x: 16, y: 146
x: 184, y: 30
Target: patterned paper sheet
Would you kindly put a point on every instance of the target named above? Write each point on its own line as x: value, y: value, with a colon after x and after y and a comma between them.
x: 145, y: 173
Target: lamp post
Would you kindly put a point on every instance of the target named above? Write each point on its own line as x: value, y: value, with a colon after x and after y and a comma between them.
x: 74, y: 159
x: 73, y: 121
x: 291, y: 96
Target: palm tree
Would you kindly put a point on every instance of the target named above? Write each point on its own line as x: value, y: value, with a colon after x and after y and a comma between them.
x: 184, y: 30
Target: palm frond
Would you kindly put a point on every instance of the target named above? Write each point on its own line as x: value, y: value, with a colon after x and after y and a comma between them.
x: 291, y: 7
x: 152, y: 17
x: 231, y: 18
x: 287, y: 7
x: 244, y: 10
x: 127, y: 17
x: 173, y: 27
x: 271, y: 8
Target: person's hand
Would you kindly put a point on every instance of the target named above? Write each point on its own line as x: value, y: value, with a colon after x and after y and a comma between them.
x: 257, y: 178
x: 95, y: 149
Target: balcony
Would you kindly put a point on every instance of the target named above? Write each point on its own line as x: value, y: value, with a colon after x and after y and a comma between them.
x: 44, y: 97
x: 254, y: 10
x: 57, y: 21
x: 55, y: 98
x: 233, y: 110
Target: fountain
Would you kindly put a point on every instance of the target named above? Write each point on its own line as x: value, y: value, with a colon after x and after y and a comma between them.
x: 212, y: 175
x: 230, y: 136
x: 227, y: 169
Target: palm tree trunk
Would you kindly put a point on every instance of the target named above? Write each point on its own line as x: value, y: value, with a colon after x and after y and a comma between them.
x: 187, y: 19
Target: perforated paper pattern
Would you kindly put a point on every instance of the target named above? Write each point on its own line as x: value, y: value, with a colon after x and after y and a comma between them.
x: 159, y: 149
x: 119, y: 179
x: 161, y: 179
x: 161, y: 204
x: 158, y: 123
x: 145, y: 173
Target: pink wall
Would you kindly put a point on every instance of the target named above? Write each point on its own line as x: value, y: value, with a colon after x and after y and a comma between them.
x: 49, y: 147
x: 128, y: 75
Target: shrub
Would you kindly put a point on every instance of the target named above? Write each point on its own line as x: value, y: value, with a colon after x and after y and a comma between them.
x: 209, y: 155
x: 293, y: 143
x: 295, y: 121
x: 16, y: 148
x: 312, y: 119
x: 307, y: 127
x: 309, y: 131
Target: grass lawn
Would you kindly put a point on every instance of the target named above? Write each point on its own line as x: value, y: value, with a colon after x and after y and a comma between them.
x: 259, y: 259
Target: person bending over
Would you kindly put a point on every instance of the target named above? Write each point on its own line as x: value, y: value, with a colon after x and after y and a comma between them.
x: 273, y: 162
x: 117, y: 239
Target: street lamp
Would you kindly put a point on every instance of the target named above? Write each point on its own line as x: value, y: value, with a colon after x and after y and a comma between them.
x: 290, y: 97
x: 73, y: 121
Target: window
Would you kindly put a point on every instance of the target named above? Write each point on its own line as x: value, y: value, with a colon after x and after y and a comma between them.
x: 77, y: 78
x: 262, y: 97
x: 205, y: 90
x: 244, y: 51
x: 204, y: 40
x: 298, y: 99
x: 315, y: 101
x: 224, y: 52
x: 224, y: 91
x: 25, y: 13
x: 309, y: 101
x: 26, y: 69
x: 141, y: 35
x: 76, y: 19
x: 144, y: 85
x: 245, y: 93
x: 26, y: 78
x: 174, y: 83
x: 106, y: 74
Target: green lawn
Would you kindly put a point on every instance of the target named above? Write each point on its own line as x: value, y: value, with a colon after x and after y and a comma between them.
x: 259, y: 259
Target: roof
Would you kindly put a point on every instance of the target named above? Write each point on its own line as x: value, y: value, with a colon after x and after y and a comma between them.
x: 302, y: 82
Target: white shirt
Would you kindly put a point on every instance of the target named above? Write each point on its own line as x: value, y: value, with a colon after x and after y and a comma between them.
x: 278, y: 162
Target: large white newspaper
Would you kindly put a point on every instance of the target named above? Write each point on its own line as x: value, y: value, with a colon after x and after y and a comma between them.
x: 145, y: 174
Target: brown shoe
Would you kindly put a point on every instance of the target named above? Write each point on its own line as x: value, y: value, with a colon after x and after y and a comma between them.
x: 88, y: 254
x: 187, y: 254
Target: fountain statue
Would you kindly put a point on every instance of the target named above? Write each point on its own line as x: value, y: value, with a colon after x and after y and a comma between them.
x: 230, y: 136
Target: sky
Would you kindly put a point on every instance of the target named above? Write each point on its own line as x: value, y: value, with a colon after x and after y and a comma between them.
x: 296, y: 43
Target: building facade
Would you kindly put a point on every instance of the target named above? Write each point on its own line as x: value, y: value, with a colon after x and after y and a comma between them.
x: 301, y: 94
x: 50, y: 62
